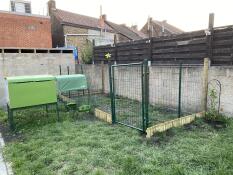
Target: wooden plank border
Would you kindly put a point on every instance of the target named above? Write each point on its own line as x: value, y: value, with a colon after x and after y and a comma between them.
x: 161, y: 127
x: 65, y: 99
x: 103, y: 115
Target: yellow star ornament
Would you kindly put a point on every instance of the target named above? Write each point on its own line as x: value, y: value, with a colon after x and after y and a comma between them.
x: 108, y: 56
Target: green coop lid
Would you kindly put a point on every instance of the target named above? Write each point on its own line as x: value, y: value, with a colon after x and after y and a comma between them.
x: 71, y: 82
x: 20, y: 79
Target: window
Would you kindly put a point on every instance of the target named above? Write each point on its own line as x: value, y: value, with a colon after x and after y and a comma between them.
x: 20, y: 6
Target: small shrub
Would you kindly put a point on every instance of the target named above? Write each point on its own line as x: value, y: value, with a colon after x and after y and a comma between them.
x: 213, y: 116
x: 87, y: 54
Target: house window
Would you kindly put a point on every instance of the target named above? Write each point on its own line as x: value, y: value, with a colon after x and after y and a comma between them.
x: 20, y: 6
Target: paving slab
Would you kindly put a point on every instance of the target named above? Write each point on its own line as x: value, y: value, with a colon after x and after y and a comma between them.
x: 5, y: 168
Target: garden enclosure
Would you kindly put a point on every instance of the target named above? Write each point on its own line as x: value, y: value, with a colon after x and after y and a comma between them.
x: 140, y: 96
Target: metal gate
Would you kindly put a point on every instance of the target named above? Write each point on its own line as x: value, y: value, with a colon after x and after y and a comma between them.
x: 129, y: 104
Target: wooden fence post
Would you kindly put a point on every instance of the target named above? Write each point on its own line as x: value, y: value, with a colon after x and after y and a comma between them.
x: 115, y: 50
x: 102, y: 76
x: 150, y: 51
x: 205, y: 84
x: 209, y: 36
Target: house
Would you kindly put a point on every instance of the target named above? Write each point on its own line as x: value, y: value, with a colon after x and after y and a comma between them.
x: 20, y: 28
x: 71, y: 29
x: 125, y: 33
x: 154, y: 28
x: 20, y: 6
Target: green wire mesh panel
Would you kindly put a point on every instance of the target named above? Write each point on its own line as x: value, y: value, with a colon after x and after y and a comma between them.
x: 98, y: 84
x: 164, y: 93
x: 174, y: 91
x: 191, y: 92
x: 127, y: 93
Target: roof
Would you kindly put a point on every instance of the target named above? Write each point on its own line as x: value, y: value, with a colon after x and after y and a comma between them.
x: 67, y: 83
x: 168, y: 27
x: 33, y: 78
x: 70, y: 18
x: 78, y: 20
x: 25, y: 14
x: 126, y: 31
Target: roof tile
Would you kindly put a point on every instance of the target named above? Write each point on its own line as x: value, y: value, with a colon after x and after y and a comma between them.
x: 77, y: 19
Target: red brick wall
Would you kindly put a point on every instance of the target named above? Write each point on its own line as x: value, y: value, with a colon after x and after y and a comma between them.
x: 24, y: 31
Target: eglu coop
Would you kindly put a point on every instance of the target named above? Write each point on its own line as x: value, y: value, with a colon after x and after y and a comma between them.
x: 27, y: 91
x: 45, y: 90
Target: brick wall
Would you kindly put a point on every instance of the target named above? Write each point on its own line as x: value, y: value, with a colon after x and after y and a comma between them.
x: 77, y: 41
x: 19, y: 30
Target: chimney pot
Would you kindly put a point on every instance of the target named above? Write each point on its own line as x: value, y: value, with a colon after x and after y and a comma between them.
x: 104, y: 17
x: 51, y: 6
x: 102, y: 20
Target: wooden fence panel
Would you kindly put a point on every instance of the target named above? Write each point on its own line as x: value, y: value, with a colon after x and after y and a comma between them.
x: 186, y: 48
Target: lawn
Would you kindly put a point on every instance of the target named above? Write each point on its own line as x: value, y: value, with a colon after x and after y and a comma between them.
x: 84, y: 145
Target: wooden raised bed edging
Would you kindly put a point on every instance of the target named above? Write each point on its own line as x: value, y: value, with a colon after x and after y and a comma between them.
x: 103, y: 115
x: 161, y: 127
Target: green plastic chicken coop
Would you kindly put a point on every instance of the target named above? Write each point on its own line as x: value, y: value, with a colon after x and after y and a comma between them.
x: 28, y: 91
x: 74, y: 83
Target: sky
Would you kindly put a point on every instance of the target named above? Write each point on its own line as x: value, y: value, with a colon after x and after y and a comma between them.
x: 188, y: 15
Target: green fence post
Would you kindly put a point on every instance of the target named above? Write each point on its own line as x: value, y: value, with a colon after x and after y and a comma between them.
x: 60, y: 69
x: 57, y: 110
x: 83, y: 74
x: 146, y: 77
x: 68, y: 73
x: 47, y: 111
x: 180, y: 86
x: 112, y: 94
x: 81, y: 68
x: 143, y: 95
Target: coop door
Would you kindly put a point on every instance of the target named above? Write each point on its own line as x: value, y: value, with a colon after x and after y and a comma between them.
x: 129, y: 89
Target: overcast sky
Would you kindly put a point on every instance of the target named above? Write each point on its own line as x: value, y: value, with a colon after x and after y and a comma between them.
x: 187, y: 15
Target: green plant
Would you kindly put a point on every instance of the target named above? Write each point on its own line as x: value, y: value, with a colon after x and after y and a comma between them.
x: 87, y: 53
x: 212, y: 115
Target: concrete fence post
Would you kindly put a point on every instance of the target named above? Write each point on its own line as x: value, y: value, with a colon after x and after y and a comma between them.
x: 205, y: 84
x: 102, y: 76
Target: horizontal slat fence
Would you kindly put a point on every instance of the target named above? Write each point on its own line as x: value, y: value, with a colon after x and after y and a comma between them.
x: 186, y: 48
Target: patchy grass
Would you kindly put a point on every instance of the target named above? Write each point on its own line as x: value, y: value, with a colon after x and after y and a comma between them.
x: 129, y: 111
x: 87, y: 146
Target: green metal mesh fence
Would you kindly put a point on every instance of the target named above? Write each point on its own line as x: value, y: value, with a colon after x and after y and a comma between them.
x: 99, y: 92
x: 173, y: 91
x: 127, y: 89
